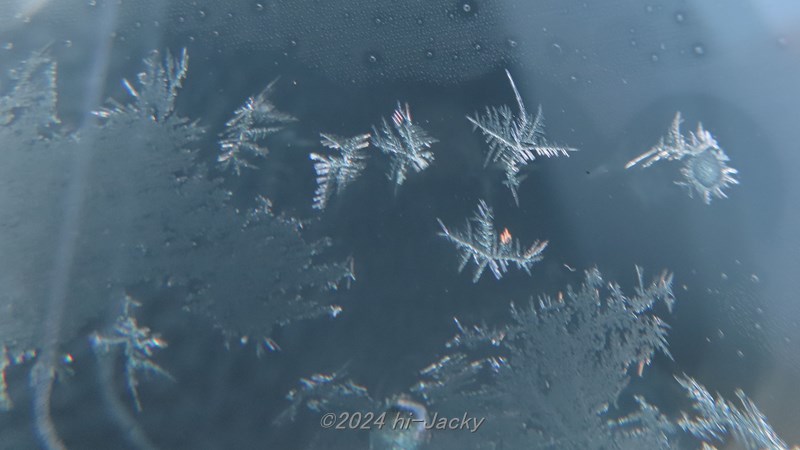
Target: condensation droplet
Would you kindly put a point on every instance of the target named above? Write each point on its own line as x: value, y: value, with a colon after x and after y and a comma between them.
x: 512, y: 43
x: 654, y: 57
x: 68, y: 43
x: 699, y: 50
x: 181, y: 19
x: 202, y: 13
x: 259, y: 7
x: 679, y: 17
x: 724, y: 276
x: 429, y: 54
x: 754, y: 278
x: 477, y: 47
x: 467, y: 7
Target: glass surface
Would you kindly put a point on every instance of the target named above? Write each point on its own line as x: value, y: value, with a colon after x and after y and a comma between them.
x: 400, y: 225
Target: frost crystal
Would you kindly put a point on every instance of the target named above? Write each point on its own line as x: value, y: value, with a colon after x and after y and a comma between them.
x: 718, y: 417
x: 705, y: 170
x: 514, y: 141
x: 137, y: 344
x: 483, y: 246
x: 250, y: 125
x: 406, y: 143
x: 568, y: 361
x: 157, y: 88
x: 335, y: 172
x: 149, y: 214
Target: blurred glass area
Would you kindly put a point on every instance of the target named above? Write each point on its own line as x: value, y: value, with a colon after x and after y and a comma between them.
x: 271, y: 224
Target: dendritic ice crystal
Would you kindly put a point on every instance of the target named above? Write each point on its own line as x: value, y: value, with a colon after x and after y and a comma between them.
x: 716, y: 417
x: 563, y: 363
x: 137, y: 344
x: 515, y: 141
x: 482, y: 244
x: 406, y: 143
x: 245, y: 132
x: 336, y: 172
x: 150, y: 215
x: 705, y: 169
x: 551, y: 378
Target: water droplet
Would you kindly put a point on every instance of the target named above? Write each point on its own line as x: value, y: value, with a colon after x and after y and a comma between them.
x: 699, y: 50
x: 92, y: 3
x: 230, y: 15
x: 679, y: 17
x: 202, y: 13
x: 477, y: 47
x: 68, y: 43
x: 654, y: 57
x: 649, y: 8
x: 378, y: 21
x: 467, y: 7
x: 512, y: 43
x: 634, y: 43
x: 259, y: 7
x: 138, y: 24
x: 429, y: 54
x: 293, y: 43
x: 754, y: 278
x: 181, y: 19
x: 573, y: 78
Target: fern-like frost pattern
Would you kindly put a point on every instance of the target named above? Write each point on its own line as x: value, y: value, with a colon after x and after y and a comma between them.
x: 406, y: 143
x: 515, y: 140
x: 245, y: 132
x: 138, y: 345
x: 716, y: 417
x: 479, y: 242
x: 336, y: 172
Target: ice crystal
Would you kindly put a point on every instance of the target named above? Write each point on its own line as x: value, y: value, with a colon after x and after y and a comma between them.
x: 138, y: 345
x: 156, y: 89
x: 326, y: 392
x: 568, y: 361
x: 705, y: 170
x: 514, y: 141
x: 406, y: 143
x: 149, y: 213
x: 482, y: 245
x: 717, y: 417
x: 245, y: 132
x: 335, y: 172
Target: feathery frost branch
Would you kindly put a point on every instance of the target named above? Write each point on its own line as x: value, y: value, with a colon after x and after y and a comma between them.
x: 406, y: 143
x: 138, y: 345
x: 718, y: 417
x: 514, y: 141
x: 252, y: 122
x: 705, y: 170
x: 483, y: 245
x: 335, y: 172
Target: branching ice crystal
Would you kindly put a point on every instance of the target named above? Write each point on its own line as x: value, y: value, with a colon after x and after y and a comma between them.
x: 335, y: 172
x: 514, y: 141
x: 718, y: 417
x: 406, y: 143
x: 250, y: 125
x: 566, y: 361
x: 138, y: 345
x: 705, y: 170
x: 483, y: 245
x: 157, y: 88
